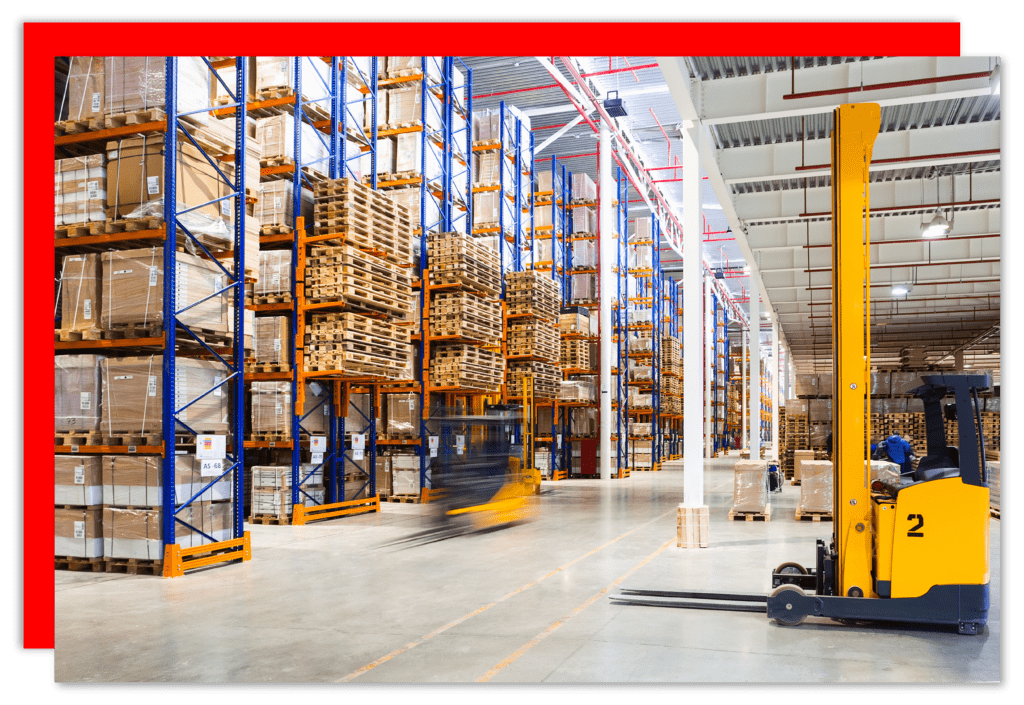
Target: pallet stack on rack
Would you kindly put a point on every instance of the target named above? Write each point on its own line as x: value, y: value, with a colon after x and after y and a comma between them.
x: 644, y: 349
x: 531, y: 335
x: 151, y: 257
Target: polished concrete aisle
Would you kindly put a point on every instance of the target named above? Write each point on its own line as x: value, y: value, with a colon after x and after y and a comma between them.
x: 528, y: 603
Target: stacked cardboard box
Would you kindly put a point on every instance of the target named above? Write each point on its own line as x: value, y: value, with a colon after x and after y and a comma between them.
x: 273, y: 344
x: 584, y: 190
x: 401, y: 415
x: 80, y: 190
x: 271, y: 410
x: 815, y: 488
x: 750, y: 487
x: 133, y: 84
x: 77, y: 395
x: 272, y: 490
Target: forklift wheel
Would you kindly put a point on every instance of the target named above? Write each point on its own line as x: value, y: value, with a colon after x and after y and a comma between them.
x: 791, y: 569
x: 796, y: 618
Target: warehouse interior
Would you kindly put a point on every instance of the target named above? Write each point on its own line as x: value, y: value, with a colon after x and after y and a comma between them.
x: 484, y: 407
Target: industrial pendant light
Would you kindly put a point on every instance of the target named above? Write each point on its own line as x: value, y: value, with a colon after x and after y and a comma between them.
x: 938, y: 227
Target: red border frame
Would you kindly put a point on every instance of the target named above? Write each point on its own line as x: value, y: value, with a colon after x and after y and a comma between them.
x: 43, y: 41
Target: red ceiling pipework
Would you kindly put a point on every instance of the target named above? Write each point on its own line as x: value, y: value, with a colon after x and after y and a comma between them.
x: 548, y: 127
x: 886, y: 86
x: 875, y: 299
x: 556, y: 85
x: 668, y: 158
x: 912, y: 265
x: 922, y: 207
x: 903, y: 160
x: 576, y: 156
x: 919, y: 283
x: 917, y: 241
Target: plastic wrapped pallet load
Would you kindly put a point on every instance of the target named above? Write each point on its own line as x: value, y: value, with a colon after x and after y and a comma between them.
x: 78, y: 480
x: 80, y: 190
x: 275, y: 278
x: 78, y: 532
x: 77, y: 393
x: 271, y: 409
x: 275, y: 205
x: 137, y: 83
x: 138, y: 533
x: 799, y: 458
x: 750, y: 487
x: 137, y: 481
x: 83, y: 99
x: 886, y: 472
x: 278, y: 503
x: 273, y: 334
x: 816, y: 487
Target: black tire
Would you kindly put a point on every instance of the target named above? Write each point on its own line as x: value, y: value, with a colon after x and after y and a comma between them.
x: 791, y: 568
x: 794, y: 619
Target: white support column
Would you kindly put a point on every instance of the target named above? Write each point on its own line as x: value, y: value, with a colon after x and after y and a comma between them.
x: 776, y: 371
x: 606, y: 244
x: 744, y: 440
x: 755, y: 362
x: 693, y: 329
x: 710, y: 349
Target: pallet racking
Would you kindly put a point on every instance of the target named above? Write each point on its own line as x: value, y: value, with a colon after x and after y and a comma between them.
x: 178, y: 341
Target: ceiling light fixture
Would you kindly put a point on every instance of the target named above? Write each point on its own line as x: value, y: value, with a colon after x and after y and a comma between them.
x: 900, y: 289
x: 711, y: 206
x: 938, y: 227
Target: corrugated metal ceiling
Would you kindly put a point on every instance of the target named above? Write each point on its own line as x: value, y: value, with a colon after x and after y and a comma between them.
x: 714, y: 67
x: 901, y: 174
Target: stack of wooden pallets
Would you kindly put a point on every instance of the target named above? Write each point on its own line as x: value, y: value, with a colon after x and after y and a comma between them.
x: 575, y: 354
x: 466, y: 367
x: 546, y: 379
x: 362, y: 218
x: 357, y: 345
x: 465, y: 314
x: 456, y: 258
x: 532, y: 292
x: 361, y: 281
x: 533, y: 338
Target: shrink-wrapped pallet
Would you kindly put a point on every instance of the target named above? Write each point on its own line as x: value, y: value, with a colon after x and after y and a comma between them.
x: 279, y: 477
x: 137, y: 481
x: 816, y: 487
x: 279, y: 72
x: 273, y: 340
x: 584, y: 221
x: 544, y: 181
x: 78, y: 480
x: 138, y: 533
x: 138, y: 83
x: 412, y: 65
x: 78, y: 532
x: 405, y: 107
x: 584, y: 253
x: 750, y: 486
x: 276, y: 138
x: 272, y: 409
x: 133, y: 395
x: 83, y: 98
x: 135, y: 187
x: 402, y: 418
x: 542, y: 219
x: 486, y: 125
x: 584, y: 287
x: 76, y: 393
x: 583, y: 188
x: 486, y: 167
x: 410, y: 158
x: 80, y: 293
x: 276, y: 205
x: 276, y: 271
x: 799, y: 458
x: 133, y: 291
x: 410, y: 198
x: 278, y: 503
x: 485, y: 208
x: 80, y: 190
x: 385, y: 155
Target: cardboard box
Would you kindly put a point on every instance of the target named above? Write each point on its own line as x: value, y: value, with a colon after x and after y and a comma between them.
x: 402, y: 415
x: 279, y: 477
x: 584, y: 221
x: 135, y: 186
x: 544, y: 181
x: 272, y: 408
x: 137, y: 481
x: 138, y: 533
x: 574, y: 320
x: 382, y: 475
x: 85, y: 93
x: 275, y: 273
x: 486, y: 125
x: 799, y: 458
x: 583, y: 188
x: 78, y: 532
x: 133, y: 290
x: 404, y: 481
x: 133, y: 395
x: 750, y: 486
x: 80, y: 190
x: 385, y: 158
x: 78, y: 480
x: 77, y: 393
x: 796, y: 407
x: 409, y: 157
x: 278, y: 503
x: 485, y: 208
x: 692, y: 527
x: 80, y: 293
x: 279, y: 72
x: 276, y: 138
x: 137, y: 83
x: 273, y: 340
x: 816, y: 487
x: 486, y: 165
x: 275, y: 205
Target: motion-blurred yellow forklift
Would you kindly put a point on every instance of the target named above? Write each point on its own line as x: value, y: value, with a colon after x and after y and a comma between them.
x: 912, y: 550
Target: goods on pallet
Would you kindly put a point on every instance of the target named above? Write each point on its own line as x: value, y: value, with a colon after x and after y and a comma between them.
x: 354, y: 344
x: 405, y: 475
x: 640, y: 456
x: 467, y: 367
x: 456, y: 258
x: 384, y: 153
x: 532, y: 338
x: 80, y: 190
x: 134, y: 84
x: 532, y: 292
x: 401, y: 415
x: 544, y: 181
x: 228, y: 74
x: 750, y: 486
x: 410, y: 160
x: 275, y: 136
x: 382, y: 475
x: 279, y: 477
x: 271, y: 404
x: 692, y: 527
x: 584, y: 287
x: 135, y: 187
x: 640, y: 373
x: 84, y: 97
x: 465, y: 314
x: 485, y: 168
x: 78, y: 532
x: 546, y: 379
x: 638, y: 400
x: 577, y: 390
x: 275, y: 207
x: 273, y: 342
x: 361, y: 217
x: 278, y: 503
x: 361, y: 281
x: 279, y: 72
x: 800, y: 458
x: 486, y: 125
x: 584, y: 222
x: 816, y: 487
x: 486, y: 205
x: 78, y: 480
x: 275, y: 279
x: 574, y: 320
x: 138, y: 533
x: 583, y: 188
x: 133, y: 293
x: 640, y: 257
x: 137, y: 481
x: 77, y: 393
x: 584, y: 252
x: 410, y: 198
x: 405, y: 107
x: 584, y: 422
x: 641, y: 429
x: 575, y: 354
x: 133, y: 394
x: 394, y: 66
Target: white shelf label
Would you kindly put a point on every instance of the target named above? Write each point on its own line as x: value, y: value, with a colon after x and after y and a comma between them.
x: 358, y: 441
x: 87, y: 310
x: 318, y: 444
x: 317, y: 459
x: 85, y: 401
x: 79, y: 474
x: 152, y: 185
x: 432, y: 443
x: 211, y: 447
x: 79, y: 529
x: 151, y: 387
x: 357, y: 454
x: 211, y: 468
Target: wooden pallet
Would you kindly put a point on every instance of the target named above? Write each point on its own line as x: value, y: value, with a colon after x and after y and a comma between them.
x: 75, y: 127
x: 282, y: 297
x: 270, y: 520
x: 74, y: 563
x: 131, y: 438
x: 813, y: 516
x: 270, y: 162
x: 993, y: 512
x: 134, y: 117
x: 134, y: 566
x: 268, y: 367
x: 766, y: 515
x: 403, y: 498
x: 67, y: 336
x: 274, y: 229
x: 72, y: 438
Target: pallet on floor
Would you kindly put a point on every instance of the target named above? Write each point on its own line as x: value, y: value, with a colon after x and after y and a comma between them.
x: 993, y: 512
x: 74, y: 563
x: 135, y: 566
x: 403, y: 498
x: 270, y: 520
x: 766, y: 515
x: 812, y: 516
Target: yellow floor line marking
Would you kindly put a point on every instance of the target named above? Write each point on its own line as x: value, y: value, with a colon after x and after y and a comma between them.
x: 555, y: 625
x: 460, y: 620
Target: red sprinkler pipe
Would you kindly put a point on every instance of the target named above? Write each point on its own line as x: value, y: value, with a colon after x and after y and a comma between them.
x: 555, y: 85
x: 887, y: 86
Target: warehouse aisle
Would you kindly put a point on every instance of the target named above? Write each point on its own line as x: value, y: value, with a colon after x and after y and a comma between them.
x: 528, y: 603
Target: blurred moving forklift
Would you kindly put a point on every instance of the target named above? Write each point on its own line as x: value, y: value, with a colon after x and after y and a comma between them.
x: 913, y: 549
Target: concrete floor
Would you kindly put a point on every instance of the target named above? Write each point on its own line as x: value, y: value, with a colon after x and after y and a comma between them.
x: 330, y: 602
